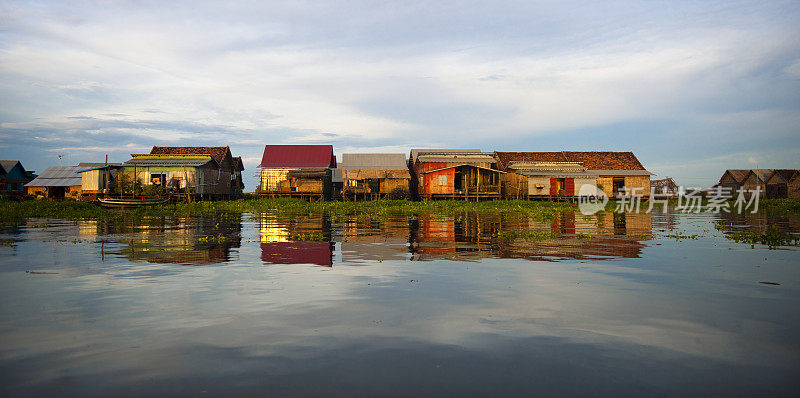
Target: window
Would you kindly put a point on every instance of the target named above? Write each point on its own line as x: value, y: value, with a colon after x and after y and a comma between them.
x: 442, y: 180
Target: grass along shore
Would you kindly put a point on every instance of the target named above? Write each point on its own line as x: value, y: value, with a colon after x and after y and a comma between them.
x: 11, y: 211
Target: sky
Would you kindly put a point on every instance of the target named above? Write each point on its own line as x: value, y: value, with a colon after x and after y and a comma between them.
x: 691, y: 87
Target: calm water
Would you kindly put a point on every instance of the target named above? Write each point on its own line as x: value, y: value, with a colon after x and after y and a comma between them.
x: 268, y: 305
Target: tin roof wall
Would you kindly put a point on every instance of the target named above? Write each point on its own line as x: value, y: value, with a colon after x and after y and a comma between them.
x: 280, y: 156
x: 373, y: 161
x: 57, y: 176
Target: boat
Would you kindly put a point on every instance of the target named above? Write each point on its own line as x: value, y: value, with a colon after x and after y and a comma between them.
x: 128, y: 203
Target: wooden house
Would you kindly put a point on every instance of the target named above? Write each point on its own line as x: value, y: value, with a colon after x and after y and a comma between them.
x: 567, y: 174
x: 793, y: 187
x: 733, y: 179
x: 98, y: 178
x: 454, y: 174
x: 230, y: 167
x: 777, y: 184
x: 297, y: 171
x: 756, y: 179
x: 13, y: 178
x: 57, y: 182
x: 374, y: 176
x: 666, y: 188
x: 192, y: 175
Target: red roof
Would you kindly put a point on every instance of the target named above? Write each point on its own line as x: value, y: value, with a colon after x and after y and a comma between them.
x: 298, y: 156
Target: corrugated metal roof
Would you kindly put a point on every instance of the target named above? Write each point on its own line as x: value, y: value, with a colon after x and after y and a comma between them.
x: 57, y: 176
x: 279, y: 156
x: 373, y: 161
x: 168, y: 162
x: 465, y: 158
x: 416, y: 152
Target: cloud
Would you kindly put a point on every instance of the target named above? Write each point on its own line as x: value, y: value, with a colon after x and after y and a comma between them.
x: 519, y: 76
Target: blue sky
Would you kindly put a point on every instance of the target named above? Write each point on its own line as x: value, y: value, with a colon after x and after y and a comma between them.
x: 691, y: 87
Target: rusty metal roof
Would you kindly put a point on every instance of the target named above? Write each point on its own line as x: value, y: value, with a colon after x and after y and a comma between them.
x: 280, y: 156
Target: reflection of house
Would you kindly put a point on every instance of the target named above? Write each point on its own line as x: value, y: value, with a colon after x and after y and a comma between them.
x: 297, y: 170
x: 13, y: 177
x: 57, y: 182
x: 230, y: 167
x: 281, y: 240
x: 556, y: 174
x: 777, y: 184
x: 455, y: 173
x: 365, y: 241
x: 605, y: 235
x: 196, y: 241
x: 197, y: 174
x: 374, y: 176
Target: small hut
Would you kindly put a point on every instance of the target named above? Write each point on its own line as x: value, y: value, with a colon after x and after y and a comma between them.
x: 455, y: 174
x: 665, y: 187
x: 230, y: 167
x: 793, y: 187
x: 756, y: 180
x: 374, y: 176
x: 13, y: 177
x: 777, y: 184
x: 57, y: 182
x: 98, y: 178
x: 732, y: 180
x: 303, y: 171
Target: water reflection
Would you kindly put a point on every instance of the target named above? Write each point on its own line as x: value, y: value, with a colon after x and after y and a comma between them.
x: 108, y: 314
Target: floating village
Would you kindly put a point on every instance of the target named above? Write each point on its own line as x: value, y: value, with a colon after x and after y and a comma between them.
x: 313, y: 172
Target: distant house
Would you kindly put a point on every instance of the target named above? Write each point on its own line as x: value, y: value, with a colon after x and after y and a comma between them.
x: 230, y: 167
x: 756, y: 179
x: 297, y: 170
x: 57, y: 182
x: 374, y: 175
x: 177, y: 173
x: 732, y: 180
x: 13, y: 177
x: 793, y: 187
x: 98, y: 178
x: 777, y: 184
x: 664, y: 187
x: 565, y: 173
x: 455, y: 174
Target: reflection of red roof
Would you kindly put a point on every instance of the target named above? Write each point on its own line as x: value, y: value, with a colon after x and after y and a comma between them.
x: 319, y: 253
x: 298, y: 156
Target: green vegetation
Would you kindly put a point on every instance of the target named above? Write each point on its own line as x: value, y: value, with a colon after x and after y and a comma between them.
x: 772, y: 237
x: 526, y: 235
x: 780, y: 205
x: 13, y: 211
